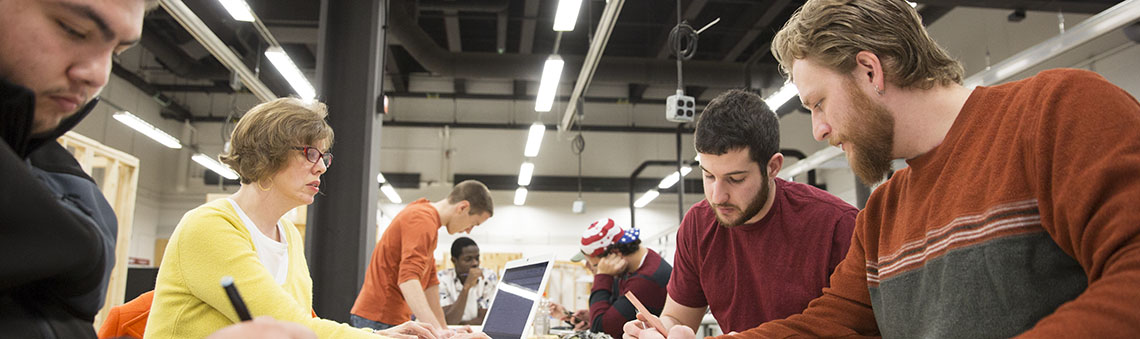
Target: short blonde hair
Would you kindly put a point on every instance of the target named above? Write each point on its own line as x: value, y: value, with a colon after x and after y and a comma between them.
x: 831, y: 32
x: 265, y: 136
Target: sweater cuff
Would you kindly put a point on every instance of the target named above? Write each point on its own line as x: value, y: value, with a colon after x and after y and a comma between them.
x: 603, y: 282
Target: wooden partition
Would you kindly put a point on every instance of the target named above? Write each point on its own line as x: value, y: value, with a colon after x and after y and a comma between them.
x: 490, y: 260
x: 117, y: 174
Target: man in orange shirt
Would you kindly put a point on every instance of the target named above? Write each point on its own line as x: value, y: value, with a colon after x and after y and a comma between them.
x: 401, y: 279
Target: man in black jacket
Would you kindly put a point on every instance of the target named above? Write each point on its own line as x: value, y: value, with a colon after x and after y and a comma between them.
x: 57, y: 232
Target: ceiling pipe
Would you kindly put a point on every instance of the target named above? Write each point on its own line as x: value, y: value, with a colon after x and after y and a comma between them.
x: 593, y: 56
x: 182, y: 65
x: 483, y: 6
x: 1111, y: 19
x: 219, y: 49
x: 470, y: 65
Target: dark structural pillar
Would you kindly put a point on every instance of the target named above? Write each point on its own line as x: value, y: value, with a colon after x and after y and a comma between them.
x: 341, y: 229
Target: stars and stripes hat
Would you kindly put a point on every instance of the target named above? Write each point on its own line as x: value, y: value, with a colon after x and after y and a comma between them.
x: 600, y: 235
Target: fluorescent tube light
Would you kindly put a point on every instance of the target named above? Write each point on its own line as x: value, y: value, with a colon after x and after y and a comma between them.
x: 212, y: 164
x: 646, y: 198
x: 390, y: 192
x: 291, y: 73
x: 380, y: 178
x: 672, y: 178
x: 147, y: 129
x: 567, y: 15
x: 781, y: 96
x: 534, y: 140
x: 525, y: 171
x: 548, y: 86
x: 238, y: 9
x: 520, y: 196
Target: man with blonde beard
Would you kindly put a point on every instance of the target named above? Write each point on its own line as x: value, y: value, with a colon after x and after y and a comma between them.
x: 1016, y: 215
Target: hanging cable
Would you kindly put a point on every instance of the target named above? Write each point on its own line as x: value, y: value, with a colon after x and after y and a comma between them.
x: 577, y: 146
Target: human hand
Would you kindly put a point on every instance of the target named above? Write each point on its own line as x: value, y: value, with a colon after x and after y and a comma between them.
x: 557, y: 311
x: 471, y: 335
x: 637, y: 329
x: 264, y: 327
x: 473, y: 276
x: 409, y: 330
x: 579, y: 320
x: 613, y: 264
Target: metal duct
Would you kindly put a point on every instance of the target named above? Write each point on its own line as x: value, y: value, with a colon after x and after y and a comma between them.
x: 484, y: 6
x: 178, y: 62
x: 528, y: 67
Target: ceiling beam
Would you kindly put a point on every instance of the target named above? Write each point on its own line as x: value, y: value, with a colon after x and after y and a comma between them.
x: 691, y: 12
x: 759, y: 26
x: 1068, y: 6
x: 392, y: 66
x: 637, y: 92
x: 509, y: 97
x: 552, y: 183
x: 460, y: 86
x: 931, y: 13
x: 170, y: 108
x: 695, y: 91
x: 451, y: 25
x: 519, y: 88
x: 526, y: 37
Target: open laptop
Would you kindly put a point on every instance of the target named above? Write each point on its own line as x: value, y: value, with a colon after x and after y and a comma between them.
x: 518, y: 294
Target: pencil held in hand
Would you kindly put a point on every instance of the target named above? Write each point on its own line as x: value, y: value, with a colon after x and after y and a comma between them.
x: 235, y: 298
x: 651, y: 319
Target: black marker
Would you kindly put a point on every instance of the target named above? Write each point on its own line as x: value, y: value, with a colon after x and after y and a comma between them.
x: 235, y: 298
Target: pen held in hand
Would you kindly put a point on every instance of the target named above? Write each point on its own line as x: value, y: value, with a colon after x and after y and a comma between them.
x: 651, y: 319
x: 235, y: 298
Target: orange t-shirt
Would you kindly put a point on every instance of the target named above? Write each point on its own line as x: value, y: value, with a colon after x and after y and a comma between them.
x: 403, y: 253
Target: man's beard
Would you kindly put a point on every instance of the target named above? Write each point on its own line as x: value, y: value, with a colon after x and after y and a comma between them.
x: 870, y: 134
x: 751, y: 211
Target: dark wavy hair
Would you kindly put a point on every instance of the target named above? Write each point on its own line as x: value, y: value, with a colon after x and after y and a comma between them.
x: 624, y: 249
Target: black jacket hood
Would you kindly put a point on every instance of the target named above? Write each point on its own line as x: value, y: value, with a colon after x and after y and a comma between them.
x: 17, y: 113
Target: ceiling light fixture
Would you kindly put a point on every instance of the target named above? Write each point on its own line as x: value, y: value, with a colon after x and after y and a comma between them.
x: 548, y: 86
x: 646, y: 198
x: 238, y: 9
x: 520, y: 196
x: 534, y: 140
x: 672, y: 178
x: 292, y: 74
x: 525, y: 172
x: 567, y: 15
x: 147, y: 129
x: 390, y: 192
x: 781, y: 96
x: 214, y: 165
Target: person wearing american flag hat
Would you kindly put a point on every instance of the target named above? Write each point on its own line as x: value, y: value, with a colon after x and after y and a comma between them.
x: 620, y: 264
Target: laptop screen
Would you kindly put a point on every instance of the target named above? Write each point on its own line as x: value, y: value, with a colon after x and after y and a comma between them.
x: 514, y: 301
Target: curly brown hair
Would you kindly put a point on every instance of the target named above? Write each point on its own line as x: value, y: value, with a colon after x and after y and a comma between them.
x: 265, y: 136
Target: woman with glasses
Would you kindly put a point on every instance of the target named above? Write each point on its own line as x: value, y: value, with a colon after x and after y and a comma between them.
x: 280, y: 150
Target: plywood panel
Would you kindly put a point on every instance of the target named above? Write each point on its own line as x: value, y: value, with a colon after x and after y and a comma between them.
x: 117, y: 174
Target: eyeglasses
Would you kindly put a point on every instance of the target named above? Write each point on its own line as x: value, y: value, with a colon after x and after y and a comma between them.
x: 312, y: 154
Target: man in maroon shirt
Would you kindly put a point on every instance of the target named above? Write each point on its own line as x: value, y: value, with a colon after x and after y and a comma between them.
x: 758, y: 248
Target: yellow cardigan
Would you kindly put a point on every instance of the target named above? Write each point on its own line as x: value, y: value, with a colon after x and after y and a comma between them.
x: 210, y: 243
